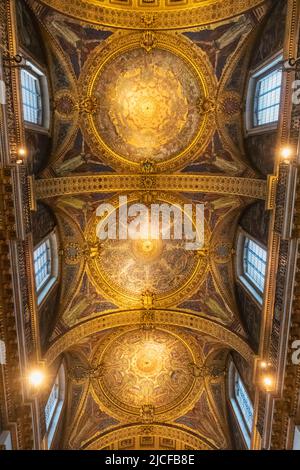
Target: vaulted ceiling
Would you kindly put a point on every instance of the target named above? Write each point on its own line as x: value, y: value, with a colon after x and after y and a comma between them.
x: 146, y: 328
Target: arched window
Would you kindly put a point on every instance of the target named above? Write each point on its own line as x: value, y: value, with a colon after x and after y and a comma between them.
x: 251, y: 264
x: 35, y: 96
x: 241, y: 403
x: 45, y: 258
x: 54, y: 404
x: 264, y: 94
x: 255, y: 259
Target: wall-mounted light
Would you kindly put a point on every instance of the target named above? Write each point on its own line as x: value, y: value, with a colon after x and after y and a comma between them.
x: 286, y: 153
x: 263, y: 365
x: 36, y: 378
x: 21, y: 152
x: 266, y: 378
x: 268, y: 382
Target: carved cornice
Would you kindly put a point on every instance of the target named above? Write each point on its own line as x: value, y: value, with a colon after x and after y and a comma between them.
x: 85, y: 184
x: 162, y: 317
x: 159, y: 14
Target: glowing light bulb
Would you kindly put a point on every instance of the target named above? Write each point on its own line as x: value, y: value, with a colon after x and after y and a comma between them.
x: 22, y: 152
x: 263, y: 365
x: 286, y: 152
x: 268, y: 382
x: 36, y: 378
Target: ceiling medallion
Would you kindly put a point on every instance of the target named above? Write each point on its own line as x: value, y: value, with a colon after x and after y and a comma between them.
x: 158, y: 14
x: 65, y: 105
x: 154, y: 95
x: 146, y: 374
x: 146, y: 272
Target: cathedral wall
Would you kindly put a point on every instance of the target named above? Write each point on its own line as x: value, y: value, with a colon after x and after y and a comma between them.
x: 260, y: 147
x: 43, y: 223
x: 31, y: 44
x: 255, y: 221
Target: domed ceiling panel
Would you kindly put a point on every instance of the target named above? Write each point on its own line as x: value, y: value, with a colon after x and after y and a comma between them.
x: 139, y: 272
x: 147, y: 105
x: 148, y: 98
x: 146, y: 372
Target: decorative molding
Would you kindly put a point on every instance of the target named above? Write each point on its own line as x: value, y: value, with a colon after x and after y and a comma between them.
x: 271, y: 192
x: 187, y: 439
x: 162, y: 317
x: 164, y: 14
x: 188, y: 183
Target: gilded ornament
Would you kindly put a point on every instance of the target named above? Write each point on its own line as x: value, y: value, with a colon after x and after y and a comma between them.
x: 165, y: 14
x: 147, y: 413
x: 89, y: 105
x: 206, y: 105
x: 148, y: 166
x: 148, y: 299
x: 148, y: 41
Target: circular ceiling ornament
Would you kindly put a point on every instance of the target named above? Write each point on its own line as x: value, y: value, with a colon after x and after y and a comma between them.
x: 148, y: 98
x: 146, y: 271
x: 157, y: 14
x: 146, y: 374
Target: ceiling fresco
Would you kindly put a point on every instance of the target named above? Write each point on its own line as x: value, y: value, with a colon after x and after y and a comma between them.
x: 146, y: 269
x: 145, y: 372
x: 147, y: 102
x: 144, y: 101
x: 152, y: 101
x: 119, y: 376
